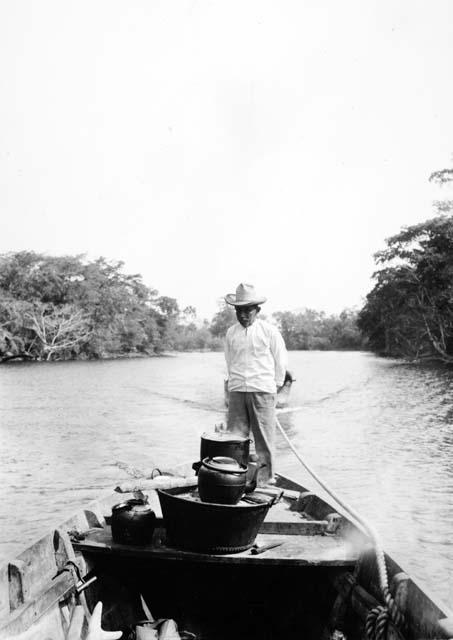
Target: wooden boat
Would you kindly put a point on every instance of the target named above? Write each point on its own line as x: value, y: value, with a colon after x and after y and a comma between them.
x: 322, y: 581
x: 282, y: 395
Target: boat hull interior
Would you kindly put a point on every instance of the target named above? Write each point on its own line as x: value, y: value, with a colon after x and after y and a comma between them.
x: 320, y: 582
x: 218, y: 601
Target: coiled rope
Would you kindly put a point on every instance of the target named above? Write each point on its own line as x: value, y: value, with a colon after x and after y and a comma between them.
x: 377, y: 619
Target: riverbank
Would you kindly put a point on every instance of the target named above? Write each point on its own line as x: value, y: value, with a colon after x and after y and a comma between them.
x: 144, y: 356
x: 120, y: 356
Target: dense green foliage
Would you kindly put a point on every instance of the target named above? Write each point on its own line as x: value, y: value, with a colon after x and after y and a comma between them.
x: 57, y: 308
x: 310, y: 329
x: 409, y: 312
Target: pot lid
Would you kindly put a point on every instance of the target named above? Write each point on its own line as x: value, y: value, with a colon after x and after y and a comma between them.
x: 223, y: 463
x: 224, y: 437
x: 136, y: 504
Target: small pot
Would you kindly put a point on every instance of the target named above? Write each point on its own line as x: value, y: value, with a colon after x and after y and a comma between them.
x: 225, y: 444
x: 221, y: 480
x: 133, y: 522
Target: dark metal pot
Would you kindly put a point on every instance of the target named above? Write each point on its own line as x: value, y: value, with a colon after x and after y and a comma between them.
x: 133, y: 522
x: 221, y: 480
x: 210, y: 528
x: 225, y: 444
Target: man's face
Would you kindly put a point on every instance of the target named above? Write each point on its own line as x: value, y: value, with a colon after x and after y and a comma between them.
x: 246, y: 315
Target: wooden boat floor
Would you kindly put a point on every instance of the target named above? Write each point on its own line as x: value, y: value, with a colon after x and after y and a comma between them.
x: 317, y: 550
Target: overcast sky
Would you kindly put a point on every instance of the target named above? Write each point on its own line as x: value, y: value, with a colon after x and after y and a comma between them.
x: 209, y: 143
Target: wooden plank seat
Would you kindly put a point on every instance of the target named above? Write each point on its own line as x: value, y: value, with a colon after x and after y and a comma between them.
x: 314, y: 550
x: 283, y: 518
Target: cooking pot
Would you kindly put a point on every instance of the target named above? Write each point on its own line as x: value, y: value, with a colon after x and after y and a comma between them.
x: 221, y: 480
x: 225, y: 444
x: 210, y: 528
x: 133, y: 522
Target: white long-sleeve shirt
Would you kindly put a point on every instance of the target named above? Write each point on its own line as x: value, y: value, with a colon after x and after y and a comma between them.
x: 256, y: 357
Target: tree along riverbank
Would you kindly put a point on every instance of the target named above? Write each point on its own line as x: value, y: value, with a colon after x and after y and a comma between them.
x: 66, y: 308
x: 409, y: 312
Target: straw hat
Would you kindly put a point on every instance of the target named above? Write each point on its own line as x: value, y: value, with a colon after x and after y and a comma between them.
x: 245, y: 295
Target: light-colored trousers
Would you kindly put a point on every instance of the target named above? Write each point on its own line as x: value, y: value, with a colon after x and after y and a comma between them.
x: 254, y: 411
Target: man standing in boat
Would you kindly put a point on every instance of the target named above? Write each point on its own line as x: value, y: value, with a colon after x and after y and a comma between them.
x: 256, y: 360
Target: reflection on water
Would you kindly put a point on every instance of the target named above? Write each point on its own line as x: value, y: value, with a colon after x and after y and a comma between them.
x: 378, y: 431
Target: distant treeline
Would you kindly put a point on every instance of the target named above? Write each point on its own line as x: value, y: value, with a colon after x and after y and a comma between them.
x: 60, y: 308
x: 304, y: 330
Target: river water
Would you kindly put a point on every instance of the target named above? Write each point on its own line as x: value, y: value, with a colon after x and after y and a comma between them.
x: 378, y: 431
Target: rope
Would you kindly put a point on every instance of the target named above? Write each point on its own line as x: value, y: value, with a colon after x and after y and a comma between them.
x: 376, y: 621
